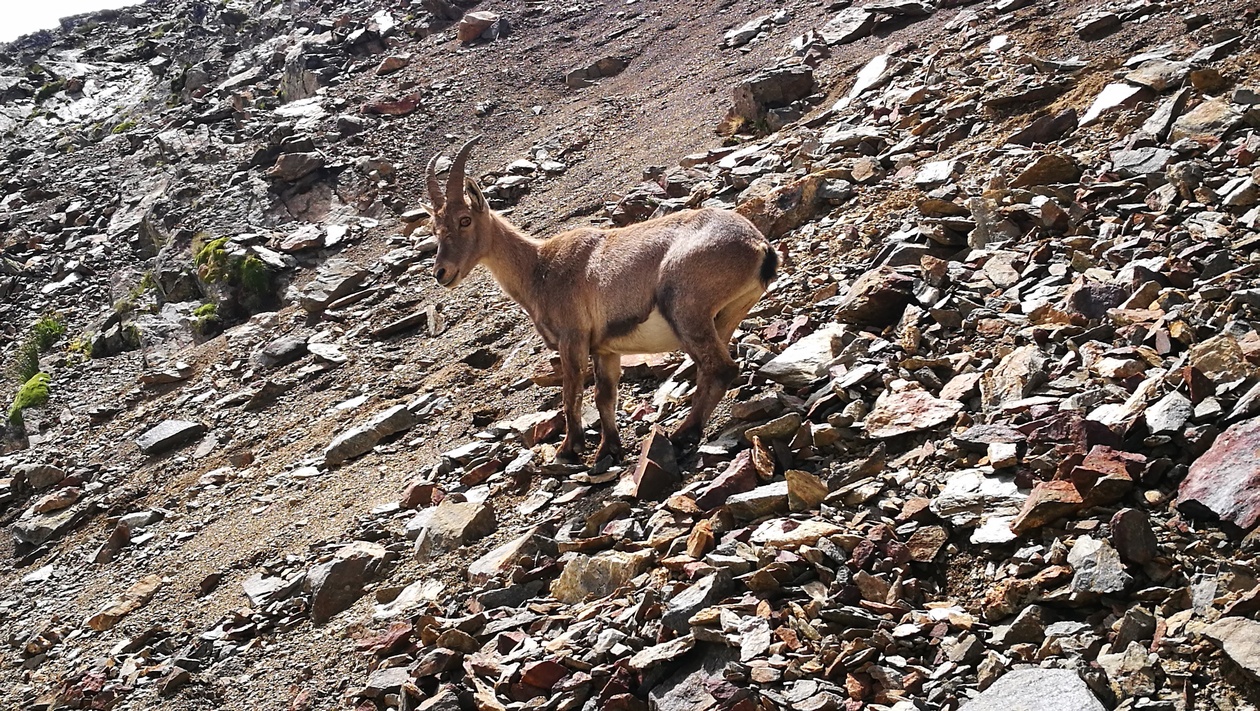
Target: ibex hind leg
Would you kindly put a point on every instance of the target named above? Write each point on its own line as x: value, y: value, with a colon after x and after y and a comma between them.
x: 731, y: 315
x: 715, y: 371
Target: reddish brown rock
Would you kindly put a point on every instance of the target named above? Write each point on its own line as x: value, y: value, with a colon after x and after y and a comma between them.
x: 926, y: 542
x: 1107, y: 475
x: 1225, y: 481
x: 656, y: 473
x: 474, y: 24
x: 400, y: 107
x: 1049, y: 500
x: 739, y: 477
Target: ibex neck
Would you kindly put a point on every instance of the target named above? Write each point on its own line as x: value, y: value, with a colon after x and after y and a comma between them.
x: 513, y: 260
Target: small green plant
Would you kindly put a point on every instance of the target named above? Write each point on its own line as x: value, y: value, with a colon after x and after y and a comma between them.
x: 245, y: 273
x: 211, y: 259
x: 123, y: 127
x: 33, y: 393
x: 80, y: 348
x: 253, y: 276
x: 206, y: 311
x: 48, y: 89
x: 38, y: 340
x: 47, y: 330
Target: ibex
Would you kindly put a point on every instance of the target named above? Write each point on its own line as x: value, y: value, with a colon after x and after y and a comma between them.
x: 682, y: 281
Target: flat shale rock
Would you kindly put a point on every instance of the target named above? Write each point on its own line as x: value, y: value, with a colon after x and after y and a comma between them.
x: 38, y: 476
x: 806, y: 360
x: 1239, y: 637
x: 360, y: 440
x: 971, y: 496
x: 705, y: 592
x: 908, y: 411
x: 787, y: 534
x: 452, y: 525
x: 125, y: 603
x: 168, y: 435
x: 1098, y: 567
x: 1132, y: 536
x: 1037, y: 690
x: 762, y: 501
x: 334, y: 279
x: 1020, y: 373
x: 1209, y: 121
x: 850, y: 25
x: 805, y: 490
x: 1225, y: 480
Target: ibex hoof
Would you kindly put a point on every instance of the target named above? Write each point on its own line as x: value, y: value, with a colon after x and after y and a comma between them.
x: 686, y: 439
x: 613, y: 451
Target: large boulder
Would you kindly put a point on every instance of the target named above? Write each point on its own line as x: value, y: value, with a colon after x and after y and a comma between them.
x: 767, y: 96
x: 1225, y: 482
x: 336, y: 584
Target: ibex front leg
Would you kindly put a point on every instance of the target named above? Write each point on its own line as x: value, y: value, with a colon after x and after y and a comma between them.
x: 607, y: 373
x: 574, y: 354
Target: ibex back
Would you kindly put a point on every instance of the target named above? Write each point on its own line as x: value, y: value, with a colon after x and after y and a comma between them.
x: 683, y: 281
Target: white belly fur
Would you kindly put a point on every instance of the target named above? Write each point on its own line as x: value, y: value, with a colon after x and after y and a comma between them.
x: 654, y: 335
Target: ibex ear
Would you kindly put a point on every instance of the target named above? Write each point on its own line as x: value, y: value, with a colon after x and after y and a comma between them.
x: 476, y: 200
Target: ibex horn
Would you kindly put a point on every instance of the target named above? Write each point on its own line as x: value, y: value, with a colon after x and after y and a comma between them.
x: 435, y: 187
x: 455, y: 183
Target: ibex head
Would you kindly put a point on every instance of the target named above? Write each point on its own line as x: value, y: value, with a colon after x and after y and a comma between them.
x: 461, y: 220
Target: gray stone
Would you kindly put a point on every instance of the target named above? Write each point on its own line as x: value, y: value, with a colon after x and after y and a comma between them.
x: 38, y: 476
x: 360, y: 440
x: 291, y: 167
x: 932, y: 174
x: 385, y: 681
x: 334, y: 279
x: 762, y: 501
x: 1037, y: 690
x: 706, y: 592
x: 850, y: 25
x: 281, y: 351
x: 336, y: 584
x: 262, y: 589
x: 806, y: 360
x: 1137, y: 625
x: 1098, y: 567
x: 1132, y: 536
x: 772, y: 89
x: 169, y: 435
x: 453, y: 524
x: 1170, y: 414
x: 1130, y: 671
x: 35, y: 529
x: 1141, y: 162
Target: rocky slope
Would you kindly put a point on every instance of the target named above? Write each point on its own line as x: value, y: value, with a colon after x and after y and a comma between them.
x: 994, y: 445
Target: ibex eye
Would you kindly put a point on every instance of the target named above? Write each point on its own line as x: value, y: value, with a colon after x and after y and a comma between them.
x: 465, y: 221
